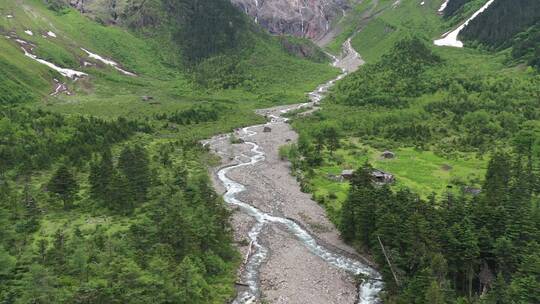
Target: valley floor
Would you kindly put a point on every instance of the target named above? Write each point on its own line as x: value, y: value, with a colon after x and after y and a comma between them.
x: 293, y: 252
x: 291, y: 273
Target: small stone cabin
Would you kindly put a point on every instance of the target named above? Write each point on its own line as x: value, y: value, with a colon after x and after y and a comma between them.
x: 347, y: 174
x: 472, y: 190
x: 379, y: 176
x: 388, y: 155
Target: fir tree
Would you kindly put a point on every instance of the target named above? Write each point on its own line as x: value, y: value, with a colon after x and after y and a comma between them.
x: 100, y: 177
x: 133, y: 164
x: 63, y: 184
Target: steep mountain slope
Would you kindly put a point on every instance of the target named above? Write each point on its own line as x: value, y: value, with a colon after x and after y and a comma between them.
x: 453, y: 6
x: 509, y: 24
x: 393, y: 21
x: 168, y: 52
x: 502, y: 21
x: 309, y: 19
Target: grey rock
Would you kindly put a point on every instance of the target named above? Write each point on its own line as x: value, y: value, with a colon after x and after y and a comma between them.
x: 304, y: 18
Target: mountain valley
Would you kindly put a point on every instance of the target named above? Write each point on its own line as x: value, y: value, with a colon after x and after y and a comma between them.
x: 270, y: 151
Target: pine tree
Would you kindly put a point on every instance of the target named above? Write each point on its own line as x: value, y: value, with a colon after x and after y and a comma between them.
x: 100, y: 177
x: 332, y: 138
x: 63, y: 183
x: 191, y: 283
x: 435, y: 294
x: 58, y: 253
x: 121, y: 197
x: 463, y: 250
x: 497, y: 182
x: 134, y: 165
x: 499, y: 292
x: 43, y: 245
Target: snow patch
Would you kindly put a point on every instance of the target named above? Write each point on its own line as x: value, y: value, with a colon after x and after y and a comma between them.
x: 443, y: 6
x: 107, y: 62
x: 451, y: 38
x: 29, y: 32
x: 51, y: 34
x: 64, y: 72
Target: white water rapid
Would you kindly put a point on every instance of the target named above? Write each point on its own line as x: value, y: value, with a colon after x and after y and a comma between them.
x: 368, y: 291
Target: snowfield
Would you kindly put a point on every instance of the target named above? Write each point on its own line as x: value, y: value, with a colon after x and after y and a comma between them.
x: 443, y: 6
x: 64, y: 72
x: 107, y: 62
x: 451, y: 38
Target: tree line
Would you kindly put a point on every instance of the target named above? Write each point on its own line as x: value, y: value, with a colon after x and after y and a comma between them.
x: 34, y: 139
x: 460, y: 249
x: 194, y: 115
x: 414, y: 97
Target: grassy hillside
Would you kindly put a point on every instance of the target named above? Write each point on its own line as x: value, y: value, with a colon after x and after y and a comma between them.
x: 264, y: 70
x: 395, y: 22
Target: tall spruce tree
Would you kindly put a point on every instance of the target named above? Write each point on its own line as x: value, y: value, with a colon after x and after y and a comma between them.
x: 63, y: 184
x: 101, y: 173
x: 133, y: 164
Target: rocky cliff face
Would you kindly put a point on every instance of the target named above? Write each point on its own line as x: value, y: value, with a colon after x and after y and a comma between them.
x: 107, y: 11
x: 301, y: 18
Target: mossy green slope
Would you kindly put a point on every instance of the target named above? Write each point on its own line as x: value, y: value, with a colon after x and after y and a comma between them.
x: 267, y: 71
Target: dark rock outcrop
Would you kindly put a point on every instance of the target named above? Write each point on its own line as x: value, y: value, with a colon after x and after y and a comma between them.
x: 301, y: 18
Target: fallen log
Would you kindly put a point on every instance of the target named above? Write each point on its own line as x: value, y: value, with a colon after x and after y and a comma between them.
x: 249, y: 252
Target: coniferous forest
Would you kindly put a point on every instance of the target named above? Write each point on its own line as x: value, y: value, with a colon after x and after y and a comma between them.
x: 455, y: 247
x: 114, y: 222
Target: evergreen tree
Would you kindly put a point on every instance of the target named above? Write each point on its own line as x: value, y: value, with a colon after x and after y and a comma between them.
x: 332, y: 138
x: 133, y: 164
x: 100, y: 177
x: 193, y: 287
x: 121, y: 197
x: 434, y: 294
x: 63, y: 184
x: 38, y: 286
x: 499, y: 292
